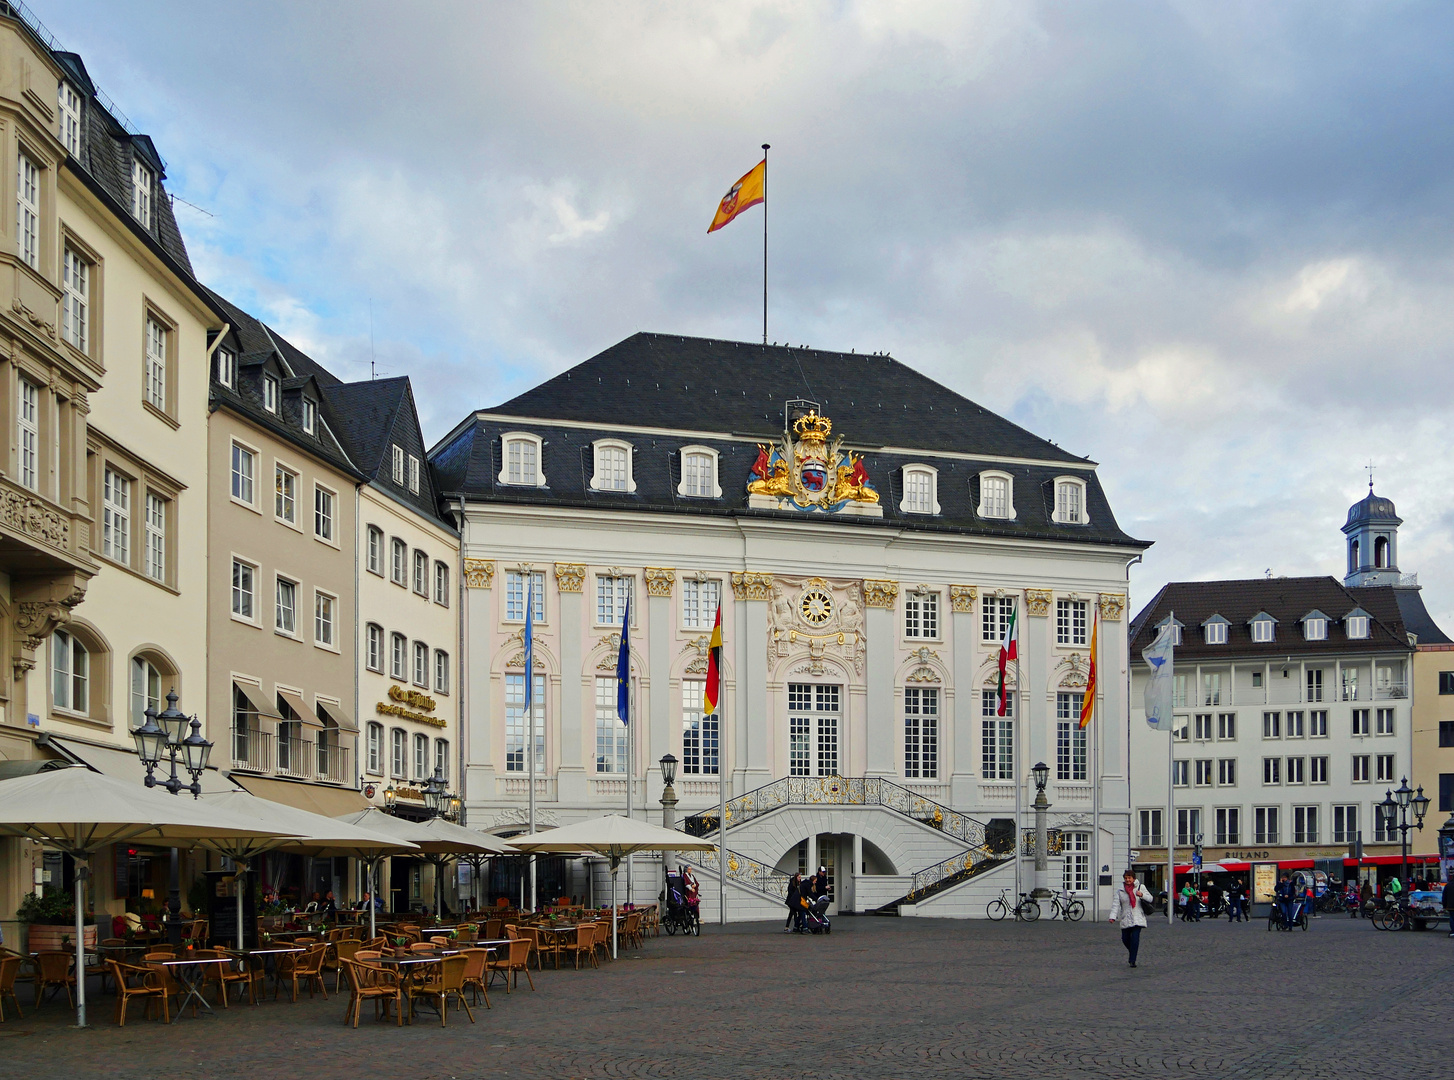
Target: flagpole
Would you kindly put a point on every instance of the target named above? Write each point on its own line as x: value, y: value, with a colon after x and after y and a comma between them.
x: 630, y: 744
x: 1019, y: 761
x: 530, y: 712
x: 1092, y: 742
x: 765, y: 148
x: 723, y: 772
x: 1171, y: 798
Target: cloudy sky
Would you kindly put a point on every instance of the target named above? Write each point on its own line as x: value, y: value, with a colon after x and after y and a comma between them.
x: 1206, y: 244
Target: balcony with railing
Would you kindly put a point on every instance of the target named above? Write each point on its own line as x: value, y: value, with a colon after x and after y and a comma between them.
x: 333, y: 767
x: 295, y: 757
x: 252, y: 749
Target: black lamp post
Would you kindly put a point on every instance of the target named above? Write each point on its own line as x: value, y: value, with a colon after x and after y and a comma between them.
x: 668, y: 803
x: 1040, y: 772
x: 1395, y: 808
x: 166, y: 733
x: 391, y: 798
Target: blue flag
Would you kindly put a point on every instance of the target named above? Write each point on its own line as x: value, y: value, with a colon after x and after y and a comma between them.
x: 529, y: 645
x: 623, y: 668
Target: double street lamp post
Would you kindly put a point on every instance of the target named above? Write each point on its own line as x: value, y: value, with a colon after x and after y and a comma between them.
x: 1041, y: 773
x: 1395, y: 810
x: 165, y: 733
x: 668, y: 805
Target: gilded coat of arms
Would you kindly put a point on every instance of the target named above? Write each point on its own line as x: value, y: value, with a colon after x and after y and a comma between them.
x: 806, y: 472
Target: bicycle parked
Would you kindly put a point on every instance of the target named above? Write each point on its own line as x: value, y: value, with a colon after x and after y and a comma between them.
x: 1027, y: 910
x: 1299, y: 917
x: 1067, y: 908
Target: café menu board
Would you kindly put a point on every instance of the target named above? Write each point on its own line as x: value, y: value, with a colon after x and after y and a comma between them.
x: 1264, y: 882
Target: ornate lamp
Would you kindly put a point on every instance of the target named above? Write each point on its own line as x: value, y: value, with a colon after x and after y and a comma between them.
x: 1041, y: 773
x: 1389, y: 810
x: 453, y: 805
x: 1404, y: 794
x: 151, y: 741
x: 1421, y: 807
x: 434, y: 789
x: 195, y: 752
x: 391, y: 797
x: 668, y: 770
x: 173, y: 720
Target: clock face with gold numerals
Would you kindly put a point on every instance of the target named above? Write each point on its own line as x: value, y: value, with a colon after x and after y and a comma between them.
x: 816, y: 607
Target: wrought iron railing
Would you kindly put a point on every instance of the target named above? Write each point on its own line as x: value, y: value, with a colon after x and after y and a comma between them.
x: 841, y: 791
x: 252, y: 749
x: 950, y: 871
x: 1054, y: 842
x: 743, y: 871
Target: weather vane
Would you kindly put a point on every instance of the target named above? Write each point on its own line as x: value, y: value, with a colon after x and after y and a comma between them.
x: 1370, y: 474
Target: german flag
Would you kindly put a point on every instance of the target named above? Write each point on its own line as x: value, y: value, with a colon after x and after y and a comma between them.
x: 713, y: 692
x: 1088, y: 702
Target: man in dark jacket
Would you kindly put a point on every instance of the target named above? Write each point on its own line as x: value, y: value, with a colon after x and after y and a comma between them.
x: 795, y: 890
x: 1286, y: 897
x: 1448, y: 902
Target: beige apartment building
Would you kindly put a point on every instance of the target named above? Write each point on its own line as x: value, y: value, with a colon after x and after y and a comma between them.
x: 104, y: 379
x: 281, y: 627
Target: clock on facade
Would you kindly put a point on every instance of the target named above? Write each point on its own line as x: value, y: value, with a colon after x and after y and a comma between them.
x: 816, y: 607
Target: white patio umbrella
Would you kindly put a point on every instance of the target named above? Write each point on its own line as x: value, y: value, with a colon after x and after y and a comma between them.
x: 614, y: 837
x: 311, y: 834
x: 80, y: 811
x: 437, y: 837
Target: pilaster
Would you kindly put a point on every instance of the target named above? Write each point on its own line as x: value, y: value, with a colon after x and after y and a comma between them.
x: 880, y: 604
x: 962, y: 599
x: 752, y: 591
x: 659, y: 583
x: 571, y: 777
x: 479, y: 781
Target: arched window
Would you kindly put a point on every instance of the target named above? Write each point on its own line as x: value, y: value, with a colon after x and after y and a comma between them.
x: 421, y: 573
x: 522, y: 457
x: 1070, y: 501
x: 699, y: 473
x: 441, y: 758
x: 374, y: 656
x: 421, y: 757
x: 421, y: 664
x: 1353, y: 562
x: 151, y: 677
x: 398, y: 656
x: 441, y: 671
x: 1380, y: 552
x: 996, y: 495
x: 70, y: 673
x: 921, y: 494
x: 376, y: 550
x: 398, y: 753
x: 613, y: 466
x: 375, y: 743
x: 441, y: 583
x: 399, y: 562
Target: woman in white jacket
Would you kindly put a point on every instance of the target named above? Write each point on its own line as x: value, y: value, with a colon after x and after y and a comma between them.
x: 1126, y: 909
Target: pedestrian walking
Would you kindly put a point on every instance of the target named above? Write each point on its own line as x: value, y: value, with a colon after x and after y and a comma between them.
x: 1236, y: 899
x: 1126, y: 910
x: 1365, y: 896
x: 795, y: 890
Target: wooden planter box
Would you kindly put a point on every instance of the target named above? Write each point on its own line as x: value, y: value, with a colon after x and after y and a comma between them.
x: 42, y: 938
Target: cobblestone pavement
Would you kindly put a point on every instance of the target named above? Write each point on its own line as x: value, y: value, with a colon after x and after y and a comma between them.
x: 878, y: 998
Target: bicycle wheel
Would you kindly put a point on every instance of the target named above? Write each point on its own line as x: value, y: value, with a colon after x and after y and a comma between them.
x: 1394, y: 920
x: 1076, y: 911
x: 1272, y: 920
x: 1303, y: 920
x: 1029, y: 910
x: 671, y: 926
x: 998, y: 909
x: 1379, y: 919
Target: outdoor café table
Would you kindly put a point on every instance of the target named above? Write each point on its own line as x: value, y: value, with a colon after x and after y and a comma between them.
x: 558, y: 934
x: 189, y: 973
x: 274, y: 951
x: 403, y: 964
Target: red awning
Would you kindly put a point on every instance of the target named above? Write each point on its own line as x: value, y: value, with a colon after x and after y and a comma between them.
x: 1234, y: 867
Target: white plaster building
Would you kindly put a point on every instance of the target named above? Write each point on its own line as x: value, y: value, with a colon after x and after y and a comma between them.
x: 863, y: 600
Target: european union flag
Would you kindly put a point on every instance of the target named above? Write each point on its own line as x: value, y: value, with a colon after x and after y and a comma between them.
x: 623, y: 668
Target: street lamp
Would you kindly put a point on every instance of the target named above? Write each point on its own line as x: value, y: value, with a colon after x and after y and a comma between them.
x: 668, y: 804
x: 1395, y: 810
x: 391, y: 797
x: 1040, y: 772
x: 434, y: 789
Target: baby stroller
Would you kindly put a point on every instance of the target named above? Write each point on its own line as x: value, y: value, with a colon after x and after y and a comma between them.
x: 815, y: 915
x: 681, y: 913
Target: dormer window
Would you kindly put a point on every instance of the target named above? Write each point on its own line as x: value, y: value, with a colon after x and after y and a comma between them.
x: 414, y: 474
x: 141, y: 181
x: 996, y: 495
x: 70, y: 119
x: 227, y: 367
x: 310, y: 415
x: 1356, y: 627
x: 921, y: 490
x: 521, y: 460
x: 1315, y: 628
x: 1214, y: 630
x: 1264, y: 629
x: 1175, y: 633
x: 699, y: 473
x: 1070, y: 501
x: 613, y: 466
x: 270, y: 393
x: 398, y: 470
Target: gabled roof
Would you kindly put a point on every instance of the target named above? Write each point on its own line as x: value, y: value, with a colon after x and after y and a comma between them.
x: 1262, y: 616
x: 1214, y: 618
x: 1314, y: 614
x: 1280, y: 599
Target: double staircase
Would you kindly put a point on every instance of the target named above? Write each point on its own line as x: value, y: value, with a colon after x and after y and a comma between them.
x: 980, y: 853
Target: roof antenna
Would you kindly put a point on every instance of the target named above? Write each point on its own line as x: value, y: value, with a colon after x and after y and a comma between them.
x: 1268, y: 572
x: 373, y: 371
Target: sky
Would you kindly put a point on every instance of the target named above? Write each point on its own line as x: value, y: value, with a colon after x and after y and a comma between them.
x: 1206, y: 245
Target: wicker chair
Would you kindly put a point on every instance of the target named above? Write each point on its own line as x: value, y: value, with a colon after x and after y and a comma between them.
x: 449, y: 982
x: 343, y: 949
x: 132, y: 981
x: 371, y: 984
x: 516, y: 959
x: 474, y: 974
x: 53, y: 969
x: 9, y: 970
x: 307, y: 969
x: 585, y: 943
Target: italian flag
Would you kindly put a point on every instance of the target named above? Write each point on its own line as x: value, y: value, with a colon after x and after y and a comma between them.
x: 1009, y: 652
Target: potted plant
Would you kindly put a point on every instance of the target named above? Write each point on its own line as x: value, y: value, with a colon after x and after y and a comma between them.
x: 51, y: 920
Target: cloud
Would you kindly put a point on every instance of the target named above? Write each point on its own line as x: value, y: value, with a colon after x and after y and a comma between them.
x: 1208, y: 245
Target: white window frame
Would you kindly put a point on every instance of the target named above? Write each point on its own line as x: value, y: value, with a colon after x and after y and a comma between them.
x: 70, y: 673
x: 817, y: 729
x: 441, y: 671
x: 116, y: 506
x: 1215, y: 633
x: 1315, y: 629
x: 1066, y: 512
x: 289, y: 498
x: 523, y: 479
x: 1272, y: 772
x: 922, y: 615
x: 700, y: 598
x: 413, y: 474
x: 997, y: 737
x: 396, y: 467
x: 226, y: 367
x: 441, y: 583
x: 69, y: 119
x: 374, y: 552
x: 156, y: 334
x: 419, y: 666
x: 325, y: 620
x: 399, y: 562
x: 921, y: 733
x: 701, y: 735
x: 154, y: 528
x: 280, y: 581
x: 613, y: 618
x: 325, y: 514
x: 516, y: 721
x: 374, y: 647
x: 399, y: 656
x: 75, y: 298
x: 603, y: 449
x: 928, y: 505
x: 610, y: 756
x: 243, y: 481
x: 1356, y: 627
x: 983, y: 509
x: 27, y: 210
x: 249, y: 593
x: 1264, y: 631
x: 1384, y: 721
x: 27, y: 422
x: 310, y: 414
x: 1068, y: 631
x: 1360, y: 769
x: 1318, y: 769
x: 271, y: 387
x: 713, y: 485
x: 398, y: 753
x: 141, y: 192
x: 419, y: 573
x: 374, y: 744
x: 514, y: 595
x: 1075, y: 864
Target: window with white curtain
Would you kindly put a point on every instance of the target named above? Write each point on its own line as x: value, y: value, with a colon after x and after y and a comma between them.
x: 27, y: 422
x: 27, y: 212
x: 116, y: 516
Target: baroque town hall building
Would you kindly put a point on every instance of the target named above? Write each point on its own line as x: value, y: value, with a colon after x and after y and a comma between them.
x: 868, y: 533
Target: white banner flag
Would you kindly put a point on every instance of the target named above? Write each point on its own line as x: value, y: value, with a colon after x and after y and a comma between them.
x: 1159, y: 685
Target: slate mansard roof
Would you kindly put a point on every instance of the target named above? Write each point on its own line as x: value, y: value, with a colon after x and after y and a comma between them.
x: 663, y: 392
x: 1394, y: 612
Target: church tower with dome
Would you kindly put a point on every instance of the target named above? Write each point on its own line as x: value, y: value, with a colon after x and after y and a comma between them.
x: 1372, y: 532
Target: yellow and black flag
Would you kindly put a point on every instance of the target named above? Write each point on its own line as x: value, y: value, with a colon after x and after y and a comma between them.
x: 713, y: 692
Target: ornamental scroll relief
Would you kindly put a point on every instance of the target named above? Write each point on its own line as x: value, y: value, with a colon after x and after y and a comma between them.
x: 1037, y: 602
x: 962, y: 597
x: 659, y: 580
x: 823, y: 616
x: 478, y: 573
x: 879, y: 594
x: 34, y: 518
x: 1112, y: 606
x: 752, y: 586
